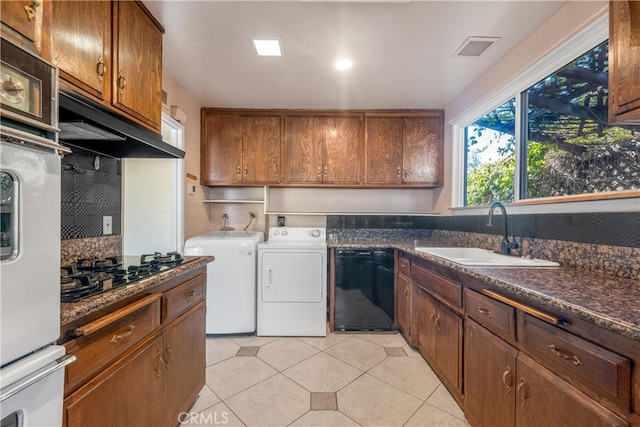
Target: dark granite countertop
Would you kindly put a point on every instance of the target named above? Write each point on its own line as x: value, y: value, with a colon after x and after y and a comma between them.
x: 74, y: 310
x: 604, y: 300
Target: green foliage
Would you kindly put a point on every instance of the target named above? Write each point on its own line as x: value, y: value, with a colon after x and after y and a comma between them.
x: 490, y: 182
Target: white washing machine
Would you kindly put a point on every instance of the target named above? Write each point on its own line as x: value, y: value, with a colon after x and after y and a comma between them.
x: 231, y: 279
x: 292, y: 282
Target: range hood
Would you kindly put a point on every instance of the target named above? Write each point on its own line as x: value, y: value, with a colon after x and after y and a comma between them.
x: 88, y: 125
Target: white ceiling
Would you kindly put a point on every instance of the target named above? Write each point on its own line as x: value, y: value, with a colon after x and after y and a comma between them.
x: 402, y: 52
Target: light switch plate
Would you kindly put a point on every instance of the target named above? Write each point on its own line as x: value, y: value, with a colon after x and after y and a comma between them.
x: 107, y: 225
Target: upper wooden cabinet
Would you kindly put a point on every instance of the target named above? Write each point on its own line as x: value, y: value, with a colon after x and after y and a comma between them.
x: 624, y: 61
x: 323, y: 150
x: 239, y: 149
x: 137, y: 62
x: 129, y: 78
x: 81, y: 45
x: 28, y: 24
x: 404, y: 149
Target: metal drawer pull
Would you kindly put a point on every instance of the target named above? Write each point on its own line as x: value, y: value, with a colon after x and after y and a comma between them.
x: 168, y: 360
x: 159, y: 364
x: 574, y: 359
x: 522, y: 391
x: 406, y: 292
x: 437, y: 323
x: 30, y: 9
x: 122, y: 336
x: 189, y: 294
x: 484, y: 311
x: 529, y: 310
x: 506, y: 379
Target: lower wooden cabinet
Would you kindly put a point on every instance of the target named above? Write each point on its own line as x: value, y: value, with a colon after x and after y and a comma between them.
x: 440, y: 339
x: 130, y: 393
x: 489, y: 378
x: 184, y: 363
x: 133, y: 370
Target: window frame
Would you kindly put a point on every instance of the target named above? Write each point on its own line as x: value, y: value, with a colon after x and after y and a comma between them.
x: 584, y: 40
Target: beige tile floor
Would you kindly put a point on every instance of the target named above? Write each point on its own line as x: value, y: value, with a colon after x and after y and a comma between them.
x: 340, y: 380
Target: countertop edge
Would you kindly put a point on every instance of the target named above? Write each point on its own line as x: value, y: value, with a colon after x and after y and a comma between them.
x: 70, y: 312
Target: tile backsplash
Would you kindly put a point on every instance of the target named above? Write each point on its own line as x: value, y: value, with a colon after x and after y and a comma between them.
x: 91, y: 189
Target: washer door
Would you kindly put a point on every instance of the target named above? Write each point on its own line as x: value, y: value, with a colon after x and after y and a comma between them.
x: 292, y: 277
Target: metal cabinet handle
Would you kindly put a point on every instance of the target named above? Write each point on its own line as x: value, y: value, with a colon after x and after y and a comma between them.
x: 484, y: 311
x: 437, y: 323
x: 101, y: 68
x: 522, y: 391
x: 506, y: 379
x: 406, y: 292
x: 399, y: 172
x: 573, y: 358
x: 122, y: 82
x: 319, y: 172
x: 326, y: 171
x: 238, y: 170
x: 246, y: 171
x: 169, y: 359
x: 406, y: 173
x: 119, y: 337
x: 30, y: 9
x: 189, y: 294
x: 158, y: 364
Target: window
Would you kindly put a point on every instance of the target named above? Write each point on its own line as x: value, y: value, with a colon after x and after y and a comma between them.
x: 566, y: 145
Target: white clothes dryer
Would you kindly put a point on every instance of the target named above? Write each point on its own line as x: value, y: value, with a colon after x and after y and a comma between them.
x: 292, y: 282
x: 231, y: 279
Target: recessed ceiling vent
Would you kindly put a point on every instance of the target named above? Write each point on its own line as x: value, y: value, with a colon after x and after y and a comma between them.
x: 476, y: 46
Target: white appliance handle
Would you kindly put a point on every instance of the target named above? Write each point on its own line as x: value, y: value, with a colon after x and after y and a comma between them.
x: 269, y: 276
x: 18, y: 386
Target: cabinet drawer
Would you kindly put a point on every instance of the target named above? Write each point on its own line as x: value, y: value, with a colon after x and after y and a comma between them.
x: 437, y: 285
x: 103, y: 340
x: 180, y: 298
x: 404, y: 266
x: 494, y: 315
x: 590, y: 365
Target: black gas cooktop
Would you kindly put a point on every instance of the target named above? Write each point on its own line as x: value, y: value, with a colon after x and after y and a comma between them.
x: 88, y: 277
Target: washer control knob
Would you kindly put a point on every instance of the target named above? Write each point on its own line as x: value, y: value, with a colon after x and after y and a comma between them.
x: 314, y: 233
x: 276, y: 233
x: 284, y: 232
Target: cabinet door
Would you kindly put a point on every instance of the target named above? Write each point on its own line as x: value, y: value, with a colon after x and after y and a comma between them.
x: 421, y: 160
x: 261, y: 149
x: 304, y: 151
x: 449, y: 345
x: 29, y: 21
x: 221, y: 155
x: 81, y: 44
x: 184, y: 360
x: 403, y: 301
x: 544, y: 399
x: 137, y: 77
x: 383, y: 150
x: 113, y: 397
x: 624, y: 57
x: 489, y: 378
x: 427, y: 312
x: 340, y: 138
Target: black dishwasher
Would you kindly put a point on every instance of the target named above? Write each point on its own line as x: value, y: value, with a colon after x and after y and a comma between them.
x: 363, y: 289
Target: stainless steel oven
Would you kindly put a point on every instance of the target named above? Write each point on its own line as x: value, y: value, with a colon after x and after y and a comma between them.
x: 31, y: 365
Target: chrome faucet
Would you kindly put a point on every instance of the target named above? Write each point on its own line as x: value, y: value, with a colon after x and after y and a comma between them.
x: 505, y: 245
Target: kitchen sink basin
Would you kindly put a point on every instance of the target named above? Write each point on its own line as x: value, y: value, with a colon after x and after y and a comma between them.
x: 484, y: 257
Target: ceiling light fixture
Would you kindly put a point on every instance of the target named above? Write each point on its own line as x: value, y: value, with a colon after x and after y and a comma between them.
x: 476, y: 46
x: 267, y: 46
x: 343, y: 64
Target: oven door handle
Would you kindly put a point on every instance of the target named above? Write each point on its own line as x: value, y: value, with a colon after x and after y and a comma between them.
x: 41, y: 373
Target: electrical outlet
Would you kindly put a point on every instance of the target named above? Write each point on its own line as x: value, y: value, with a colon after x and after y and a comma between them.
x: 281, y: 221
x: 107, y: 224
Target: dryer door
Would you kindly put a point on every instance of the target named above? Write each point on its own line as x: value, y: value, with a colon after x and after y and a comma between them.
x: 292, y: 276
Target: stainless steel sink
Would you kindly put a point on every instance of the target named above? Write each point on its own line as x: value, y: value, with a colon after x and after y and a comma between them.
x: 484, y: 257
